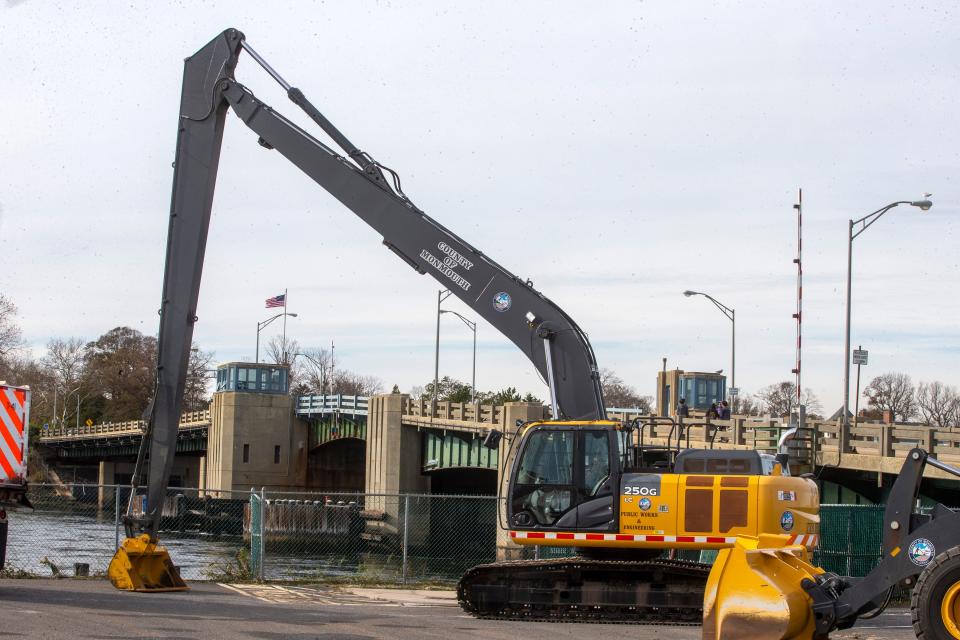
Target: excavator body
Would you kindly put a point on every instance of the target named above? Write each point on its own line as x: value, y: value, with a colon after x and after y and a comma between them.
x: 580, y: 484
x: 589, y: 485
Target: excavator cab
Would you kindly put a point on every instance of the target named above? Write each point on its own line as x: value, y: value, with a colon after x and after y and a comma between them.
x: 566, y: 477
x: 578, y: 477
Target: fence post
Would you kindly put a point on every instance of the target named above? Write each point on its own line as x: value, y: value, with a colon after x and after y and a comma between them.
x: 116, y: 516
x: 256, y: 523
x: 263, y: 529
x: 406, y: 536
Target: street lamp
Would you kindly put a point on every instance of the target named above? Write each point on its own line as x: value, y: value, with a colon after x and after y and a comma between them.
x: 442, y: 295
x: 78, y: 405
x: 318, y: 365
x: 731, y: 315
x: 864, y: 222
x: 473, y: 327
x: 261, y: 325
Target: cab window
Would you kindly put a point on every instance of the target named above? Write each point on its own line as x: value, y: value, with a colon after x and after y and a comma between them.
x: 548, y: 459
x: 596, y: 461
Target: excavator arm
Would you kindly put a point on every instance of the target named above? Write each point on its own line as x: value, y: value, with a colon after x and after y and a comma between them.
x: 558, y: 348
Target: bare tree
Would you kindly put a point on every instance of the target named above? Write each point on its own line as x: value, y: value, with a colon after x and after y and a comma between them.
x: 892, y: 392
x: 11, y: 338
x: 744, y: 404
x: 66, y: 364
x: 352, y: 384
x: 320, y: 364
x: 65, y: 360
x: 939, y: 404
x: 617, y: 393
x: 195, y: 394
x: 781, y: 399
x: 282, y: 350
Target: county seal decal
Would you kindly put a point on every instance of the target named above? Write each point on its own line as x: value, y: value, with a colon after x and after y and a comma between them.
x: 644, y: 504
x: 502, y: 301
x: 921, y: 552
x: 786, y: 521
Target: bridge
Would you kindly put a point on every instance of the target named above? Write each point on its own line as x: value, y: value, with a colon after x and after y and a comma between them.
x: 446, y: 436
x: 122, y: 438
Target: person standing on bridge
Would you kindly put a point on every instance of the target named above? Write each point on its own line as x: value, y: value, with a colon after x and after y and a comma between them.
x: 683, y: 411
x: 724, y: 410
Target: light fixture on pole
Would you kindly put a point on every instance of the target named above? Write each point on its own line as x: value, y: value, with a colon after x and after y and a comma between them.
x: 732, y: 316
x: 261, y: 325
x: 473, y: 327
x: 320, y: 366
x: 442, y: 295
x: 78, y: 405
x: 864, y: 222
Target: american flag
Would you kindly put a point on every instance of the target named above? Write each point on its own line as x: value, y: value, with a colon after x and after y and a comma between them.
x: 277, y: 301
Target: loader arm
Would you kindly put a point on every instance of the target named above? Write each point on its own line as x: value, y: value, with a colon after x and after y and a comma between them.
x: 558, y: 348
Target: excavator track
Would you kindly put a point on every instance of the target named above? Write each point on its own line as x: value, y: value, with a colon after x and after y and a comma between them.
x: 577, y: 589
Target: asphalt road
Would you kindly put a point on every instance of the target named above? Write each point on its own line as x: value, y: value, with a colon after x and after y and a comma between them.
x: 92, y: 609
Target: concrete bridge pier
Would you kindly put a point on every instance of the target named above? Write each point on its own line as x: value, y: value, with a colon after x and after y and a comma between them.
x: 106, y: 475
x: 393, y: 467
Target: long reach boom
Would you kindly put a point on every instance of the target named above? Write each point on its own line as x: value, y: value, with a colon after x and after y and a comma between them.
x: 558, y: 348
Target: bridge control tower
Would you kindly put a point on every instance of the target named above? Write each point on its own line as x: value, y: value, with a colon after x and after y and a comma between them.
x: 255, y: 438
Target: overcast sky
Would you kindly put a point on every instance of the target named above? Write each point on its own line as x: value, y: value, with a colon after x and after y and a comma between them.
x: 615, y: 153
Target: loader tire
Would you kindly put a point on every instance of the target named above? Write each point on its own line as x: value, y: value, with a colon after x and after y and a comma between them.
x: 935, y: 605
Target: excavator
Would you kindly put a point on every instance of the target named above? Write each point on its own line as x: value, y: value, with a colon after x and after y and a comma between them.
x: 578, y: 480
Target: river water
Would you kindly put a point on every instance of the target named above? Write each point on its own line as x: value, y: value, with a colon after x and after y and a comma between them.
x: 66, y: 538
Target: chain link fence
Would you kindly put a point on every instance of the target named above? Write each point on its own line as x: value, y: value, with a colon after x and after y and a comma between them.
x: 274, y: 536
x: 260, y: 535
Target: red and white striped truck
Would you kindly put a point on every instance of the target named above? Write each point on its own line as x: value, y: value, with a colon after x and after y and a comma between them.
x: 14, y: 436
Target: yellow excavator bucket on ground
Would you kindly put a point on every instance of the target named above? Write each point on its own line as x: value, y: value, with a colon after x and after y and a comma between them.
x: 754, y: 592
x: 142, y: 565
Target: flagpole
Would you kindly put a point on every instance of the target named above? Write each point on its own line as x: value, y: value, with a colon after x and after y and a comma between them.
x: 331, y: 366
x: 284, y: 326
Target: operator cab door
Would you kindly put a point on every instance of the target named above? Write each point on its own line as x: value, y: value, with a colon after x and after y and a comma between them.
x: 565, y: 479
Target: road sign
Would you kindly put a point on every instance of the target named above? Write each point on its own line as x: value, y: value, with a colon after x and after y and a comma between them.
x: 859, y: 356
x: 734, y: 391
x: 46, y: 426
x: 89, y: 422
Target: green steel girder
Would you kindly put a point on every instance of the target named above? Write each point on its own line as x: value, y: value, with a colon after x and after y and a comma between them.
x: 455, y: 450
x: 332, y: 428
x: 188, y: 441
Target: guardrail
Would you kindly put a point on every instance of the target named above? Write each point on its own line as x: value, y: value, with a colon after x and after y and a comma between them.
x: 189, y: 420
x: 319, y: 404
x: 889, y: 440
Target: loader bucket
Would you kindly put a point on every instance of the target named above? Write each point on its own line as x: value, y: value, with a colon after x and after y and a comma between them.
x: 754, y: 592
x: 142, y: 565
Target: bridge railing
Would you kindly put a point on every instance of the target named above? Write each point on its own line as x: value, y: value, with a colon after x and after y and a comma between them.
x: 740, y: 432
x: 316, y: 404
x: 188, y: 420
x: 888, y: 440
x: 454, y: 411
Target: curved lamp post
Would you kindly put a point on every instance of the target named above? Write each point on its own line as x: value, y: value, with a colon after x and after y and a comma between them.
x: 731, y: 315
x: 864, y: 222
x: 261, y: 325
x: 473, y: 327
x: 320, y: 367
